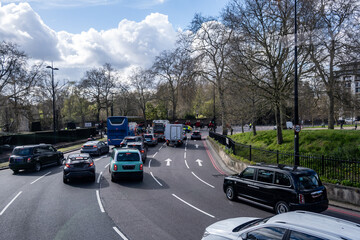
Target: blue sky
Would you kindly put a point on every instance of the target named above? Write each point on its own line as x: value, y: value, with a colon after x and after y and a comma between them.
x: 78, y: 35
x: 80, y: 16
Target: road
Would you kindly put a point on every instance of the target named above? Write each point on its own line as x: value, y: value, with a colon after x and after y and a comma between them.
x: 180, y: 195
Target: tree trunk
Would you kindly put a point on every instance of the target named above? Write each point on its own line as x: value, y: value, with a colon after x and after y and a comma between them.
x: 331, y: 110
x: 278, y: 125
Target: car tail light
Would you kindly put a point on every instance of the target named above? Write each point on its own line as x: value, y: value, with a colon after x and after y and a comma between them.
x: 82, y: 146
x: 301, y: 199
x: 142, y: 151
x: 141, y: 167
x: 29, y: 159
x: 91, y: 164
x: 115, y: 167
x: 67, y: 165
x: 153, y: 139
x: 94, y: 146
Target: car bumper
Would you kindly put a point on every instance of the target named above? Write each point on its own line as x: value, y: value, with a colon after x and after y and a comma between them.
x: 128, y: 175
x: 89, y: 151
x: 79, y: 174
x: 313, y: 207
x: 17, y: 166
x: 196, y: 138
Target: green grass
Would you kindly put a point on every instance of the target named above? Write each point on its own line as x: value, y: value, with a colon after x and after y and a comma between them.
x: 343, y: 144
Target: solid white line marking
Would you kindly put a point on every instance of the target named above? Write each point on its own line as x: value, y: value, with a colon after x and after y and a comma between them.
x: 99, y: 201
x: 185, y: 149
x: 186, y: 164
x: 40, y: 177
x: 120, y: 233
x: 202, y: 180
x: 150, y: 162
x: 98, y: 181
x: 155, y: 154
x: 1, y: 213
x: 184, y: 154
x: 155, y: 179
x: 194, y: 207
x: 107, y: 165
x: 160, y: 148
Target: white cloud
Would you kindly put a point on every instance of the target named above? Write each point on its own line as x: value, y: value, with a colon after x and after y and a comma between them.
x: 130, y: 44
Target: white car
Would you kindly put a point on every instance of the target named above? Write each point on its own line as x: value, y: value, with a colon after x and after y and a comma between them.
x: 299, y: 225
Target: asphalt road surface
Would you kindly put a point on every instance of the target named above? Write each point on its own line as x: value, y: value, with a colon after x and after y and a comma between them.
x: 181, y: 195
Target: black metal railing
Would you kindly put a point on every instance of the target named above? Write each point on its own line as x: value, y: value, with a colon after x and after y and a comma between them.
x: 326, y: 166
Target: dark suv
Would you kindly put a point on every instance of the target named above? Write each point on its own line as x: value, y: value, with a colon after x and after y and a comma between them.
x: 34, y: 157
x: 280, y: 187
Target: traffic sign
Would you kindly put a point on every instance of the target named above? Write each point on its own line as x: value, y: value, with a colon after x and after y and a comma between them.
x: 297, y: 128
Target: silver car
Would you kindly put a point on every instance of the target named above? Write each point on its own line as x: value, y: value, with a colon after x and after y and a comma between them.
x: 285, y: 226
x: 150, y: 139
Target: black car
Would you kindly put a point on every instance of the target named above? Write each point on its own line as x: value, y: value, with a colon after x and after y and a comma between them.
x: 95, y: 147
x: 34, y: 157
x: 283, y: 188
x: 129, y: 139
x: 196, y: 135
x: 141, y: 147
x: 79, y: 166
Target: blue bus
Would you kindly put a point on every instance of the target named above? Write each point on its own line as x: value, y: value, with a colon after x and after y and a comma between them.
x: 117, y: 130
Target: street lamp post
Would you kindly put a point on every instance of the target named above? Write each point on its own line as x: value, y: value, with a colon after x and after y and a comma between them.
x: 53, y: 98
x: 296, y: 103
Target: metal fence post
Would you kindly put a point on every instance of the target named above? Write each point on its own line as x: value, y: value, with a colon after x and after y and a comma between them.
x: 277, y: 156
x: 250, y: 153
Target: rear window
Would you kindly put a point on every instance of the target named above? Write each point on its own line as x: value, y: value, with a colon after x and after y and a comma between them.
x: 147, y: 136
x: 78, y: 158
x: 116, y: 120
x: 196, y: 133
x: 22, y: 151
x: 130, y: 140
x: 135, y: 146
x: 308, y: 181
x: 122, y: 157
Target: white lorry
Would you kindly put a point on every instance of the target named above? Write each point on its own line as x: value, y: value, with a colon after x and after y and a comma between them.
x: 174, y: 134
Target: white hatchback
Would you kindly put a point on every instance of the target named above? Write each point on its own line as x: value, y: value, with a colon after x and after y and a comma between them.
x: 298, y: 225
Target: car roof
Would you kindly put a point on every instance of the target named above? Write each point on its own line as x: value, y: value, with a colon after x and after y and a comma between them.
x: 92, y: 142
x: 285, y: 168
x: 78, y: 155
x: 130, y: 137
x: 126, y: 150
x: 34, y: 145
x: 319, y: 223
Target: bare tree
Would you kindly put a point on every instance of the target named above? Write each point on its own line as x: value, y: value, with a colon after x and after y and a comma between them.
x: 142, y: 81
x: 262, y: 48
x: 211, y: 46
x: 174, y: 67
x: 333, y: 32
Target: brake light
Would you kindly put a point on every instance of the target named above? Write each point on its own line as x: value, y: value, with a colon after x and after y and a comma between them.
x: 29, y: 159
x: 94, y: 146
x: 141, y: 167
x: 142, y: 151
x: 82, y: 146
x: 115, y: 167
x: 153, y: 139
x: 67, y: 165
x: 301, y: 199
x: 91, y: 164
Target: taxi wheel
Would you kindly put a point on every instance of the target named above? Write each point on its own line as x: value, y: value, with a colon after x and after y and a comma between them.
x: 281, y: 207
x: 37, y: 167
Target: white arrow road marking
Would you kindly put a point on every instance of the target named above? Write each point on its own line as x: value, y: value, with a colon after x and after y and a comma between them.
x: 40, y: 177
x: 1, y: 213
x: 199, y: 162
x: 202, y: 180
x: 168, y: 162
x: 193, y: 206
x: 197, y: 146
